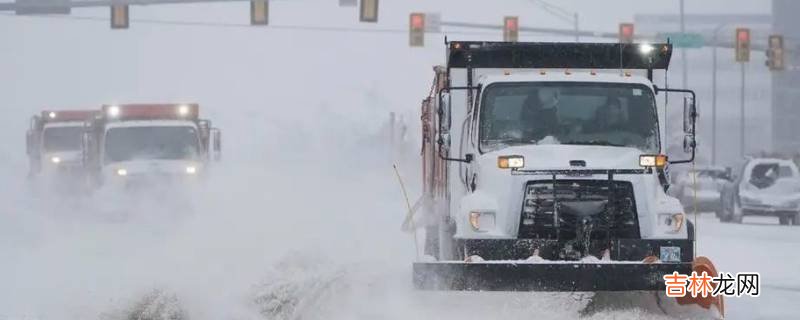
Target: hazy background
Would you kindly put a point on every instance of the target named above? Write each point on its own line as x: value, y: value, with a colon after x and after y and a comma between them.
x: 306, y: 172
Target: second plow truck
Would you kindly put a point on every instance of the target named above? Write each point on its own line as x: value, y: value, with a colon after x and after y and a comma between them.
x: 135, y: 146
x: 544, y: 170
x: 53, y: 144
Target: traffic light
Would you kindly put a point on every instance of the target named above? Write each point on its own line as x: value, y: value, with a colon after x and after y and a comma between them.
x: 511, y: 29
x: 259, y: 12
x: 368, y: 11
x: 742, y: 44
x: 626, y: 33
x: 416, y: 29
x: 119, y: 16
x: 775, y: 52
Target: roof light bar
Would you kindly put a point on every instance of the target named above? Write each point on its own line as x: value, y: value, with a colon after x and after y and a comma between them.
x: 152, y: 111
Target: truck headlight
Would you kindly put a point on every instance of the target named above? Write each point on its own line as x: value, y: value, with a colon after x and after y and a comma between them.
x: 55, y: 160
x: 482, y: 221
x: 514, y: 162
x: 191, y: 170
x: 122, y: 172
x: 671, y: 222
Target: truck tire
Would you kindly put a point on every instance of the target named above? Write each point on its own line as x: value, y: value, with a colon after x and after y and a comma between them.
x: 784, y: 220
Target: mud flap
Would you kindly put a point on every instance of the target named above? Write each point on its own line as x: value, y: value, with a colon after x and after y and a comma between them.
x: 564, y: 277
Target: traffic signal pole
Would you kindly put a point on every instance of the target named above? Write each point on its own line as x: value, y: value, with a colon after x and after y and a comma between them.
x: 714, y: 101
x: 742, y: 118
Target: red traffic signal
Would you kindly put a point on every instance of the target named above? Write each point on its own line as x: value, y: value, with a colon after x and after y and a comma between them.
x: 626, y: 32
x: 511, y: 29
x: 742, y: 44
x: 416, y: 29
x: 417, y: 21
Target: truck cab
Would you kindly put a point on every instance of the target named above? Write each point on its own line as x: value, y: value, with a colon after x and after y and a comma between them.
x: 53, y: 144
x: 146, y: 145
x: 533, y: 122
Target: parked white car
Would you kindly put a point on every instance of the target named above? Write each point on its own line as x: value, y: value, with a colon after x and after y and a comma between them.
x: 764, y: 187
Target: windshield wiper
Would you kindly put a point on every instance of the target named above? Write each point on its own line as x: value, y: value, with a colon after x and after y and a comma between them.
x: 594, y: 143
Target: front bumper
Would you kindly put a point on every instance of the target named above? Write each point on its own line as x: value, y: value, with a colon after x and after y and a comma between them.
x: 509, y: 276
x: 618, y: 249
x: 505, y: 267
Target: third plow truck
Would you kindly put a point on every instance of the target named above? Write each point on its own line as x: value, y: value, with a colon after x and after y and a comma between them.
x: 544, y: 169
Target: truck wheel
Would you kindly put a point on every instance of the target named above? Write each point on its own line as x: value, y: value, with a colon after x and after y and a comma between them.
x: 784, y: 220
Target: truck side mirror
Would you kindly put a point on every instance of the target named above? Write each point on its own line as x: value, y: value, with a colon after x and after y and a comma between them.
x: 29, y: 143
x: 689, y: 115
x: 35, y: 121
x: 216, y: 144
x: 689, y: 143
x: 86, y: 147
x: 444, y: 120
x: 444, y: 113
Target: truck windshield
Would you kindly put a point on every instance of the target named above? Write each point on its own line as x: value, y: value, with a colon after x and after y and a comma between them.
x: 576, y: 113
x: 134, y: 143
x: 56, y: 139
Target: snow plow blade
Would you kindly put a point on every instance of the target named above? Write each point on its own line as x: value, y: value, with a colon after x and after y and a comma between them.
x: 700, y: 265
x: 507, y: 276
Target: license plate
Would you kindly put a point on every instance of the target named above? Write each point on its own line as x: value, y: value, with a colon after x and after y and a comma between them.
x: 670, y: 254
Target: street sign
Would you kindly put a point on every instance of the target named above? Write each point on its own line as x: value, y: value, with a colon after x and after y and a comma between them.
x: 683, y: 40
x: 26, y: 7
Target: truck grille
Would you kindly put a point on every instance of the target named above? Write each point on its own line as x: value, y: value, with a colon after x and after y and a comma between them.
x: 586, y: 209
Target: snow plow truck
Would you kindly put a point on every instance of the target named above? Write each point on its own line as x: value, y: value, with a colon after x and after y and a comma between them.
x: 544, y: 169
x: 53, y: 144
x: 140, y: 146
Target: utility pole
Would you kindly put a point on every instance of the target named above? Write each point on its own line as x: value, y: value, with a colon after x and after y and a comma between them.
x: 741, y: 119
x: 714, y: 94
x: 714, y: 101
x: 560, y: 13
x: 577, y: 30
x: 684, y: 59
x: 742, y: 57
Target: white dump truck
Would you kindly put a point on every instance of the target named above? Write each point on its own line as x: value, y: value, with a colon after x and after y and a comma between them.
x: 136, y: 146
x: 544, y: 169
x: 53, y: 144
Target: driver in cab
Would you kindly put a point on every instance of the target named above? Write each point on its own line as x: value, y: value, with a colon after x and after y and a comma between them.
x: 539, y: 115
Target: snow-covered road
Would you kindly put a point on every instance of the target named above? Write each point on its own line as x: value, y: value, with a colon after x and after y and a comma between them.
x: 757, y: 245
x: 273, y: 249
